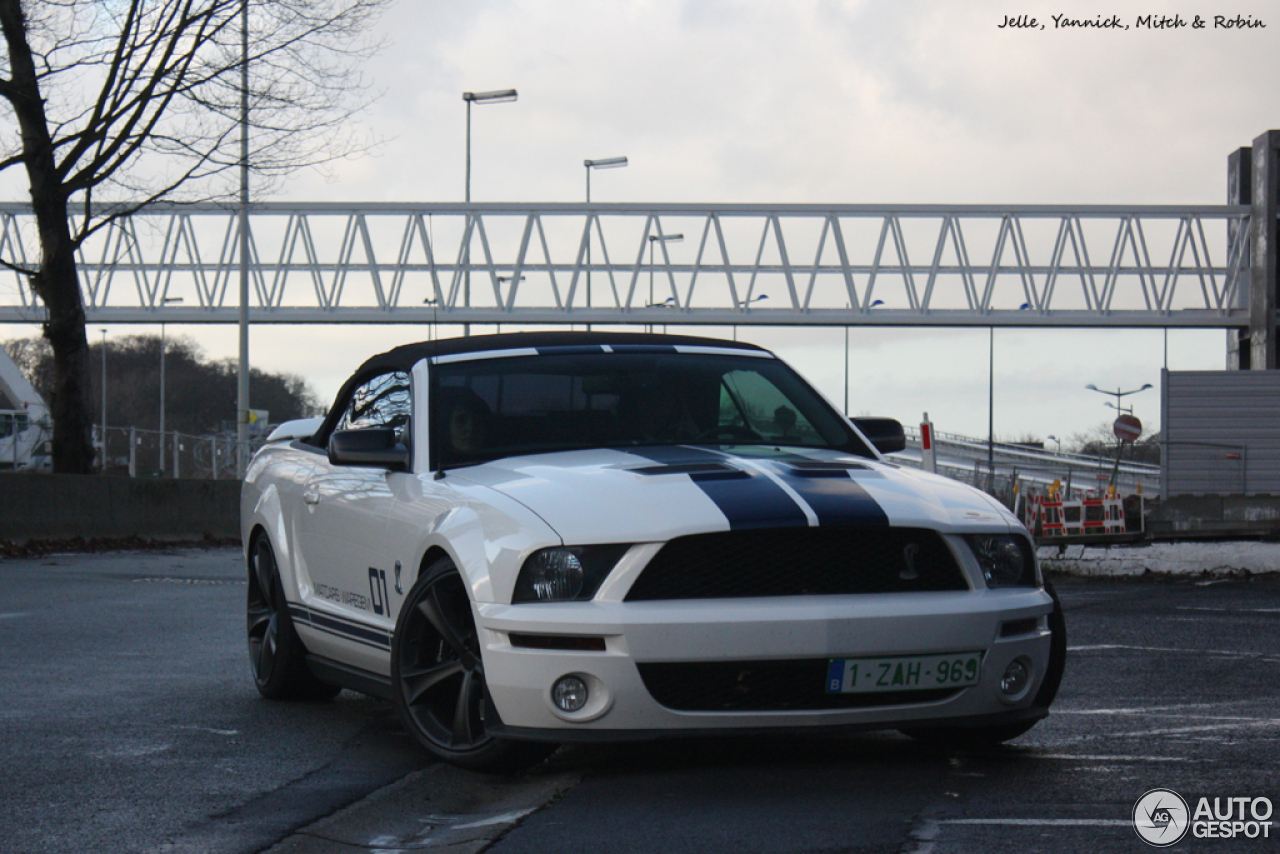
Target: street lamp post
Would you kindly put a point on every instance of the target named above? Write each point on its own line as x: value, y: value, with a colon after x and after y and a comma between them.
x: 991, y: 403
x: 165, y: 301
x: 588, y: 165
x: 1066, y: 491
x: 655, y: 238
x: 242, y: 315
x: 846, y: 353
x: 496, y: 96
x: 1119, y: 407
x: 1119, y: 396
x: 502, y: 280
x: 104, y: 400
x: 664, y: 239
x: 991, y: 407
x: 746, y: 303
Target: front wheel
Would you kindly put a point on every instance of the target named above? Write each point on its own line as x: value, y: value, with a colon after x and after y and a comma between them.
x: 438, y: 677
x: 964, y: 738
x: 276, y: 654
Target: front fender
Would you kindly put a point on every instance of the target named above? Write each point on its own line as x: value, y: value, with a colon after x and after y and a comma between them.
x: 486, y: 534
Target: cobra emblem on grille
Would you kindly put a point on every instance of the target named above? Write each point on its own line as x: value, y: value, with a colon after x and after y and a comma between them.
x: 909, y: 552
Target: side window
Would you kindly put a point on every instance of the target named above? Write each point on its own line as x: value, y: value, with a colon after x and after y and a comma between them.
x: 383, y: 401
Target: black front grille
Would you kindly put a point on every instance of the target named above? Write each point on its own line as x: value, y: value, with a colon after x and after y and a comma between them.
x: 762, y: 686
x: 799, y: 562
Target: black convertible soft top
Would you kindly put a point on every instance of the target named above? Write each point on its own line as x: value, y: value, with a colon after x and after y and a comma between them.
x: 404, y: 357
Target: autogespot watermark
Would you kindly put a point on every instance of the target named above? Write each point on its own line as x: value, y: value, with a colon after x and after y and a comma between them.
x: 1161, y: 818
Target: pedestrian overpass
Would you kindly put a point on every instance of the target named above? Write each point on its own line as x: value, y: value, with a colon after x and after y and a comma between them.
x: 1171, y: 266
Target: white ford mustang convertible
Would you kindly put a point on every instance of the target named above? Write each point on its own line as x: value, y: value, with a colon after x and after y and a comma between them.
x: 535, y: 538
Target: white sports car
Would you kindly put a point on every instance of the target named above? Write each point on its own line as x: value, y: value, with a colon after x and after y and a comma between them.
x: 535, y: 538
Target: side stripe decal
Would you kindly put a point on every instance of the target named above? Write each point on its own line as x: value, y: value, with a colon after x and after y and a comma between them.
x: 341, y: 627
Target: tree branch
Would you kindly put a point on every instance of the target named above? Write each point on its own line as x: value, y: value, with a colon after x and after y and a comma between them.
x: 21, y: 271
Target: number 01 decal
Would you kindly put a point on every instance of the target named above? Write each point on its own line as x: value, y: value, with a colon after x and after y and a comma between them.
x: 378, y: 591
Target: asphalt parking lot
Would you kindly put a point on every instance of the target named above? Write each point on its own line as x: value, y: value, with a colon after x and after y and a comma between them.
x: 130, y: 724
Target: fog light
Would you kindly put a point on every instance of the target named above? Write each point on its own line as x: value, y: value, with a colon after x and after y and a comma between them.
x: 1015, y: 678
x: 569, y: 694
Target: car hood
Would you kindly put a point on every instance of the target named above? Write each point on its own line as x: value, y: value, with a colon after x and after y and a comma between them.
x: 656, y: 493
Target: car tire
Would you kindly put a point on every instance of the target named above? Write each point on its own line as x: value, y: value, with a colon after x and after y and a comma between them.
x: 277, y: 656
x: 968, y: 738
x: 437, y: 676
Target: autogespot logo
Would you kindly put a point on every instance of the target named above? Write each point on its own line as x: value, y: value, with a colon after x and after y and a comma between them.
x: 1160, y: 818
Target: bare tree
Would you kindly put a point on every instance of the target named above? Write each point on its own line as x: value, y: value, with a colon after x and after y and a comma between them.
x: 120, y: 104
x: 200, y: 391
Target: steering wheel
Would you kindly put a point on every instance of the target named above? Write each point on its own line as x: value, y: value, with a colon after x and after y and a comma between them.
x: 730, y: 431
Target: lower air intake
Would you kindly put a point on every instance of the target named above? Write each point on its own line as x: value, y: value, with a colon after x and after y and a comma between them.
x: 762, y: 686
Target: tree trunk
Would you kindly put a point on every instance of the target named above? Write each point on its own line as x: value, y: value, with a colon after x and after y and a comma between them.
x: 58, y: 286
x: 55, y: 281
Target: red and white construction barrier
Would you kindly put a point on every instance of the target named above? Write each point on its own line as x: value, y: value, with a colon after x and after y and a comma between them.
x: 1050, y: 516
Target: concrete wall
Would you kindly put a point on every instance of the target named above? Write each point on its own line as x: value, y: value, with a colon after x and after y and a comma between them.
x: 1214, y: 516
x: 62, y: 506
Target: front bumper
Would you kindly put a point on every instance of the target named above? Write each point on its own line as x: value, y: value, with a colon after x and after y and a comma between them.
x: 801, y: 628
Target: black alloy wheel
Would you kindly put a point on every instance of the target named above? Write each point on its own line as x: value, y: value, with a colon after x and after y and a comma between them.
x: 438, y: 676
x: 277, y: 656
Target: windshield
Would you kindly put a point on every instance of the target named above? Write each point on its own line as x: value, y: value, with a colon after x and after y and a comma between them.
x: 488, y: 408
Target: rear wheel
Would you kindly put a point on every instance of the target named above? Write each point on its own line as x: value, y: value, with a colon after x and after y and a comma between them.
x: 276, y: 654
x: 438, y: 677
x: 987, y: 736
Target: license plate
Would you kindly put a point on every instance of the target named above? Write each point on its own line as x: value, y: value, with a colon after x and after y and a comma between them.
x: 903, y: 673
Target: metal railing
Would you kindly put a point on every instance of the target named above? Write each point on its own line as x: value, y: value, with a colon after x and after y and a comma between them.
x: 561, y: 263
x: 138, y: 452
x: 964, y: 458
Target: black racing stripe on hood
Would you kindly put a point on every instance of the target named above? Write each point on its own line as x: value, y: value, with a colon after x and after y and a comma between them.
x: 753, y: 501
x: 826, y: 486
x: 836, y: 499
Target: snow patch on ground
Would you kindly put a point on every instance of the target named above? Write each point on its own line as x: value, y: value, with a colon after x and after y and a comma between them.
x: 1215, y: 560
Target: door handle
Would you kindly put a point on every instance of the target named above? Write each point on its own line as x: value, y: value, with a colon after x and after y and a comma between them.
x: 311, y: 497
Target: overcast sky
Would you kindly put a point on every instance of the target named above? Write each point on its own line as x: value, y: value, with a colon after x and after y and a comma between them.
x: 910, y: 101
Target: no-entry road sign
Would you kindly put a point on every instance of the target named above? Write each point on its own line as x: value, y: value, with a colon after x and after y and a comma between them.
x: 1127, y: 428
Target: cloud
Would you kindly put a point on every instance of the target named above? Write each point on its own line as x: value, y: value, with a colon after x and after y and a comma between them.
x: 914, y: 101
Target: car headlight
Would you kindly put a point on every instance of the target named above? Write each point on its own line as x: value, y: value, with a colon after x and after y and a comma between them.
x: 565, y: 573
x: 1006, y: 560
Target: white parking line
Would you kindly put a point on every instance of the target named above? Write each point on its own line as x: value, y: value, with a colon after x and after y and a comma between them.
x: 1151, y: 710
x: 1156, y: 714
x: 1041, y: 822
x: 1258, y: 722
x: 207, y: 729
x: 1097, y: 757
x: 496, y: 819
x: 1228, y: 610
x: 1217, y: 653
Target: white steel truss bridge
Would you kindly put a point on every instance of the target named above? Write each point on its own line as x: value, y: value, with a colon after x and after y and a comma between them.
x: 667, y: 264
